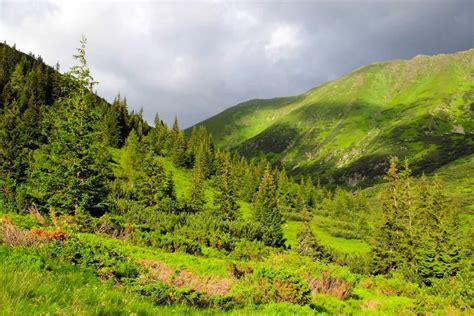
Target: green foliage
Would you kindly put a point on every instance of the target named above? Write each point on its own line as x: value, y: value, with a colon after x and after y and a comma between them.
x: 266, y: 210
x: 346, y: 214
x: 72, y: 170
x: 419, y: 233
x: 197, y: 197
x: 279, y: 286
x: 439, y: 245
x: 53, y: 288
x: 226, y: 197
x: 104, y: 261
x: 394, y: 243
x: 309, y: 246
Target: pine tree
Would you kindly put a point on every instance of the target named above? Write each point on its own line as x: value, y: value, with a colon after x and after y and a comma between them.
x: 197, y: 198
x: 438, y: 251
x: 152, y: 186
x: 158, y: 137
x: 266, y: 210
x: 393, y: 248
x: 81, y: 73
x: 130, y: 164
x: 72, y: 171
x: 309, y: 246
x: 177, y: 148
x: 225, y: 197
x: 120, y: 108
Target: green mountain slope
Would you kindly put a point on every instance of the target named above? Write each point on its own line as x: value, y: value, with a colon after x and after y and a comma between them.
x: 345, y: 130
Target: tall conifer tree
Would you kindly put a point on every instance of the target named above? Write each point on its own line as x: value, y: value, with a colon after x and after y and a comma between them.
x: 266, y: 210
x: 71, y: 172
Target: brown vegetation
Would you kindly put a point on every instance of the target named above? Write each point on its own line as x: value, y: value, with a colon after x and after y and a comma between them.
x: 13, y: 236
x: 206, y: 284
x: 331, y: 286
x: 51, y: 235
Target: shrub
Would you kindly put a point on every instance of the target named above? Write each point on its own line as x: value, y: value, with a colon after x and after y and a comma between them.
x: 330, y: 285
x: 22, y: 221
x: 280, y: 286
x: 110, y: 225
x: 104, y: 261
x: 295, y: 216
x: 250, y: 250
x: 239, y: 270
x: 163, y: 294
x: 51, y: 235
x: 13, y: 236
x: 243, y: 229
x: 459, y: 290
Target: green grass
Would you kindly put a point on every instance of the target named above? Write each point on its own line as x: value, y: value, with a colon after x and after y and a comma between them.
x: 339, y: 244
x: 290, y: 229
x: 181, y: 177
x: 201, y: 265
x: 65, y: 290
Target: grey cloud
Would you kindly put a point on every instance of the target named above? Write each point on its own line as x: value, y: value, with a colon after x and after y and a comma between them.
x: 194, y: 59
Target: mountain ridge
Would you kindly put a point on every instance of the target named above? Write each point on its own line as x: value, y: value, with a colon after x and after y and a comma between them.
x: 418, y: 109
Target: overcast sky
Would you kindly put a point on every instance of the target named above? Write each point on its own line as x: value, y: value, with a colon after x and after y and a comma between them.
x: 194, y: 59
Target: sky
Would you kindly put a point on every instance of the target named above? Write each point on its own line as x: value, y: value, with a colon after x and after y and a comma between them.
x: 194, y: 59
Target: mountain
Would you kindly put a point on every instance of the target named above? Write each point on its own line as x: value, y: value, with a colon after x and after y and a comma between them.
x: 344, y: 131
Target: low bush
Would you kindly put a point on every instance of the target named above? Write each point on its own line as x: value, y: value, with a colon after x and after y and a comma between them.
x: 50, y: 235
x: 104, y: 261
x: 238, y: 271
x: 14, y: 236
x: 22, y: 221
x: 272, y: 285
x: 459, y: 290
x: 327, y: 284
x: 163, y: 294
x: 250, y: 250
x: 111, y: 225
x: 295, y: 216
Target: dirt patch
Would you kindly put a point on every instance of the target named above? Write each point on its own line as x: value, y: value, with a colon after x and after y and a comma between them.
x: 182, y: 278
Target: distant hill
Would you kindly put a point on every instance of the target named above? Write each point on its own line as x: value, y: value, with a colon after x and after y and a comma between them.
x: 344, y: 131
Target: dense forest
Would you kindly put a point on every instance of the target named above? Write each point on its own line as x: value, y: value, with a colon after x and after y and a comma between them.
x: 89, y: 191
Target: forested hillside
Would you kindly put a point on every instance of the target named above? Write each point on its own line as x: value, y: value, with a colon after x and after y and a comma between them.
x: 105, y: 214
x: 346, y: 130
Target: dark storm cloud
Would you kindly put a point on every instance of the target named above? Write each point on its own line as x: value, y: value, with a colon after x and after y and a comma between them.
x: 194, y: 59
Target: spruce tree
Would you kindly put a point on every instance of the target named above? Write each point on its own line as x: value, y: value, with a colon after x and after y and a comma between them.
x: 438, y: 250
x: 81, y: 73
x: 393, y: 248
x: 283, y: 193
x: 72, y: 170
x: 120, y: 108
x: 266, y: 210
x: 226, y: 197
x: 177, y: 147
x: 197, y: 197
x: 308, y: 245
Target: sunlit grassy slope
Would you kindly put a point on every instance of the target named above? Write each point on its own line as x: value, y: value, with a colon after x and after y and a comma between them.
x: 31, y: 286
x: 345, y: 130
